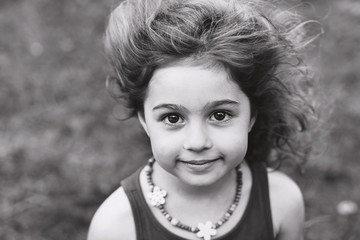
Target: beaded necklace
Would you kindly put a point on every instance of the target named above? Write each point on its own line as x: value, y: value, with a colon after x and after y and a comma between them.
x: 205, y: 231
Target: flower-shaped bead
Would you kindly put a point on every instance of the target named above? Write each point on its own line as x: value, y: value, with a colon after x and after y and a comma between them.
x: 157, y: 196
x: 206, y: 230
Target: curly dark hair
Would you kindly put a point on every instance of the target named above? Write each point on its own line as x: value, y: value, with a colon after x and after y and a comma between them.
x: 257, y: 42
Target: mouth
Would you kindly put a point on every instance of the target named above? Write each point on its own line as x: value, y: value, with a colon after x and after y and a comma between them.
x: 199, y: 162
x: 201, y: 165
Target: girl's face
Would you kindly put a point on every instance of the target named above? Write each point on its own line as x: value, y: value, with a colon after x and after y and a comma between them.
x: 198, y: 122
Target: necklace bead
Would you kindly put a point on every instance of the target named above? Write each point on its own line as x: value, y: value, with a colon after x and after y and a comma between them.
x: 206, y: 231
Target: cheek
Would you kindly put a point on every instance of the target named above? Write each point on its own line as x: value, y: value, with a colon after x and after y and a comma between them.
x: 232, y: 140
x: 165, y: 144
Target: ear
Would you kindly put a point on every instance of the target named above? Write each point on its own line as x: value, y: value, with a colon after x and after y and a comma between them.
x: 252, y: 121
x: 142, y: 121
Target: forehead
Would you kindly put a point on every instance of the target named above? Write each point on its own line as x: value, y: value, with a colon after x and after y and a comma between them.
x: 179, y: 83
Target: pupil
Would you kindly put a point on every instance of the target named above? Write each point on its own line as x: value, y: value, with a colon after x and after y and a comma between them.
x: 173, y: 118
x: 219, y: 116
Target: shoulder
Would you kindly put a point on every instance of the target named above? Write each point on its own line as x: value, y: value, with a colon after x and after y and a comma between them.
x: 113, y: 220
x: 287, y: 206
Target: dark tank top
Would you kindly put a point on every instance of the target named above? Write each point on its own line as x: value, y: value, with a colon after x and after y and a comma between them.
x: 255, y: 224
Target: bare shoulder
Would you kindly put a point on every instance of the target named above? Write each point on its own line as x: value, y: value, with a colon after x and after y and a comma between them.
x: 114, y: 219
x: 287, y: 206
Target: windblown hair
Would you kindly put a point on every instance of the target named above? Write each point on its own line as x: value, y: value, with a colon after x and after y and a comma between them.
x: 255, y: 41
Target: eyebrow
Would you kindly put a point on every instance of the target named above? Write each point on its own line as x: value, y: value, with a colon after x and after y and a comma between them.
x: 210, y: 105
x: 220, y: 103
x: 174, y: 107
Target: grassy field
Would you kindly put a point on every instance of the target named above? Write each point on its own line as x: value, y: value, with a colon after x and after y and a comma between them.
x: 62, y: 151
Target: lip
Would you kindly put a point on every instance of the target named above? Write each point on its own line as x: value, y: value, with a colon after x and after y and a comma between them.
x: 199, y: 165
x: 199, y: 162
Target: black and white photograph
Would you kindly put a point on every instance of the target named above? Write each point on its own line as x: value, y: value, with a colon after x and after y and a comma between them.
x: 179, y: 119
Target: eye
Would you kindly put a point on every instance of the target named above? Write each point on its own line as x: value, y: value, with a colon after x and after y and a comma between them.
x: 172, y: 119
x: 220, y: 116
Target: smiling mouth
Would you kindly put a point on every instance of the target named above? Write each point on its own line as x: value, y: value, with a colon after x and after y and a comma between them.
x: 199, y: 162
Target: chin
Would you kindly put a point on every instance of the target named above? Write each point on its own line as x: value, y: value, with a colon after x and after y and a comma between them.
x: 200, y: 180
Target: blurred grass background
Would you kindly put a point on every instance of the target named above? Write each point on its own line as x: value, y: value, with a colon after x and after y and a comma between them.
x: 62, y: 151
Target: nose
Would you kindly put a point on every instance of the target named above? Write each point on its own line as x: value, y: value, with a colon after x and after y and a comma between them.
x: 197, y: 138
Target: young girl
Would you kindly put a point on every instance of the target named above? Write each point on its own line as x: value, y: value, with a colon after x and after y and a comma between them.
x: 215, y: 86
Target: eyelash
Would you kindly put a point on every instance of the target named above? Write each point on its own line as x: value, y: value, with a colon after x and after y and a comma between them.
x: 165, y: 118
x: 227, y: 117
